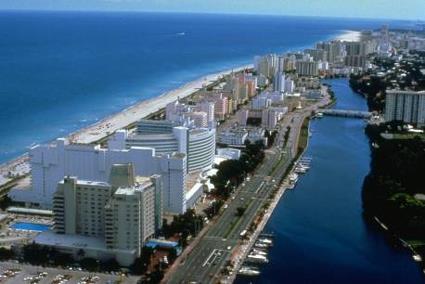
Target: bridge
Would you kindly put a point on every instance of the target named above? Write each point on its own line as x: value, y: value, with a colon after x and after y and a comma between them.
x: 346, y: 113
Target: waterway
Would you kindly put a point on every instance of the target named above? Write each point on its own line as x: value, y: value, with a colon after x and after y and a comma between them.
x: 320, y: 233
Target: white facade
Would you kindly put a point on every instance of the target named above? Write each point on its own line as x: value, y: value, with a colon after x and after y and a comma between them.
x: 406, y: 106
x: 289, y: 85
x: 242, y: 116
x: 307, y: 68
x: 271, y: 116
x: 261, y: 102
x: 50, y: 163
x: 229, y: 153
x: 198, y: 144
x: 233, y: 137
x: 279, y: 82
x: 114, y: 218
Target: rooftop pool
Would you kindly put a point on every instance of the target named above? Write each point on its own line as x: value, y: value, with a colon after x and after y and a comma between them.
x: 30, y: 226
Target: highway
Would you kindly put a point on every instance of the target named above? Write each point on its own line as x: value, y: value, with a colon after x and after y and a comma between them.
x: 207, y: 259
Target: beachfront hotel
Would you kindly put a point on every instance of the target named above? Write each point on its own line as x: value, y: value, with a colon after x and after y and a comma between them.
x: 105, y: 219
x: 406, y: 106
x: 50, y: 163
x: 197, y: 143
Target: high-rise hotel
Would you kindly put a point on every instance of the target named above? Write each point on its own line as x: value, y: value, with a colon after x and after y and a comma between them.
x: 406, y: 106
x: 105, y: 219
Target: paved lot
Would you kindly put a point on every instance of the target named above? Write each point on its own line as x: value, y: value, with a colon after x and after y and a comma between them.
x: 74, y: 276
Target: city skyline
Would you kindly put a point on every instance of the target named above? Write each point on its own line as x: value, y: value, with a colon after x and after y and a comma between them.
x: 389, y: 9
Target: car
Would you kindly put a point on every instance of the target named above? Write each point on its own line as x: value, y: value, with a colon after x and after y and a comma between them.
x: 225, y: 206
x: 229, y: 248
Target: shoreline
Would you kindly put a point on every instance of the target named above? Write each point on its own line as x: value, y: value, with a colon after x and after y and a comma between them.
x: 125, y: 117
x: 144, y: 108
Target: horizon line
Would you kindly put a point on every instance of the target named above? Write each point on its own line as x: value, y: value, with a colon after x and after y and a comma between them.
x: 207, y: 13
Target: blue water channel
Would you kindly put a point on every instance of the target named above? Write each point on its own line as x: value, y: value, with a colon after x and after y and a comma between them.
x: 320, y: 233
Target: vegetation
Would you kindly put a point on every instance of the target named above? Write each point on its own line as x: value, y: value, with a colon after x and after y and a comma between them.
x: 6, y: 253
x: 140, y: 265
x: 214, y: 208
x: 185, y: 225
x: 395, y: 178
x: 406, y: 74
x: 271, y: 137
x: 5, y: 202
x: 303, y: 139
x: 240, y: 211
x: 231, y: 173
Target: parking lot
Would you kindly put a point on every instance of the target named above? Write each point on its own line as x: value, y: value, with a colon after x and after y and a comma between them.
x: 21, y: 273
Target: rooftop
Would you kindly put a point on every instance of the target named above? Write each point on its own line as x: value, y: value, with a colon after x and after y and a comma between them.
x: 49, y: 238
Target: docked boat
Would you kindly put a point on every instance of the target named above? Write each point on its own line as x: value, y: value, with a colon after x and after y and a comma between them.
x: 257, y: 258
x: 249, y: 271
x: 261, y: 245
x: 267, y: 235
x: 293, y: 178
x: 266, y: 241
x: 257, y: 251
x: 417, y: 258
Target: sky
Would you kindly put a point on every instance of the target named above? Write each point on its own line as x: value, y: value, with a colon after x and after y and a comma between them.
x: 389, y: 9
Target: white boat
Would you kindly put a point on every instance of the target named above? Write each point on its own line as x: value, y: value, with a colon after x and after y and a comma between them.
x: 249, y: 271
x: 257, y: 251
x: 257, y: 258
x: 293, y: 178
x: 417, y: 258
x: 261, y: 245
x: 265, y: 241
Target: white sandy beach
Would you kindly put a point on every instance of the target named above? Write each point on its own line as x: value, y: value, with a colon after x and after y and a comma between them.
x: 142, y: 109
x: 112, y: 123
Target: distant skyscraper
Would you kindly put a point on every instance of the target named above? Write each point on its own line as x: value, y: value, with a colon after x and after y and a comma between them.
x: 279, y: 82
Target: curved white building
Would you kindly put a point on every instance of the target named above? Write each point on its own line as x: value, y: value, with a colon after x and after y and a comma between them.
x: 198, y: 144
x: 201, y: 150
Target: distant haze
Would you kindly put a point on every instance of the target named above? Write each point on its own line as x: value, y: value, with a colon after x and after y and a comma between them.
x: 391, y: 9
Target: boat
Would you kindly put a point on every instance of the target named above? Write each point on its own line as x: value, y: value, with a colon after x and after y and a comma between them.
x: 257, y: 258
x: 261, y: 245
x: 293, y: 178
x: 265, y: 241
x: 260, y: 252
x: 417, y: 258
x: 249, y: 271
x: 267, y: 235
x: 300, y: 169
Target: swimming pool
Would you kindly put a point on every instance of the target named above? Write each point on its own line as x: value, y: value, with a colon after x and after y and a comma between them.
x: 30, y: 226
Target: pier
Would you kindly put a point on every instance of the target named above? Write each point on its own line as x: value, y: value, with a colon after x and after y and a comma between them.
x: 347, y: 113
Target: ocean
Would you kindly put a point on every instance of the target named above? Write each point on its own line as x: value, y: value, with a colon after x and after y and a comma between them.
x: 61, y: 71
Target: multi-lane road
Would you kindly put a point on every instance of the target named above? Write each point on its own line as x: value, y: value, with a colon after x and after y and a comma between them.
x: 211, y: 254
x: 209, y: 257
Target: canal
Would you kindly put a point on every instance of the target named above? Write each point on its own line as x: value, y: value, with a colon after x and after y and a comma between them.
x: 320, y: 233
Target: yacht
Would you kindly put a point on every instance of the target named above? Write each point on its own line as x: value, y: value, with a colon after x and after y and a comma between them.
x: 257, y: 258
x: 249, y: 271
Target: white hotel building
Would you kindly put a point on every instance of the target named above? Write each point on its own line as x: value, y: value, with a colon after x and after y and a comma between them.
x: 105, y: 219
x: 51, y: 163
x: 198, y: 143
x: 406, y: 106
